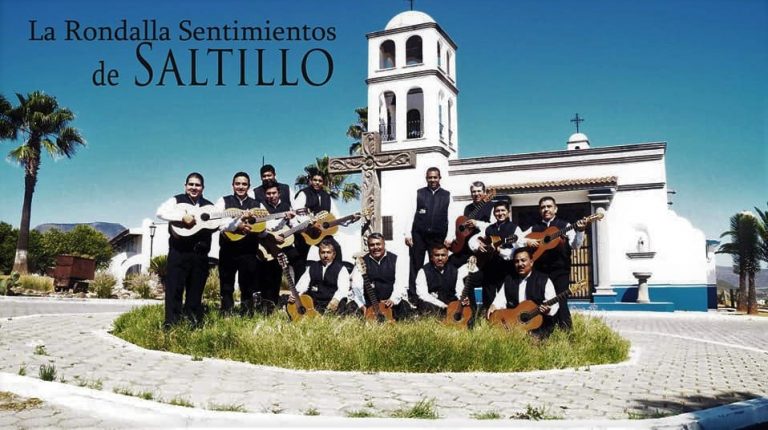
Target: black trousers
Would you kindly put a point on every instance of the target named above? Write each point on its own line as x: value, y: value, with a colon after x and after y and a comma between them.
x: 299, y: 258
x: 187, y: 273
x: 421, y: 243
x: 493, y: 275
x: 271, y: 275
x: 246, y: 266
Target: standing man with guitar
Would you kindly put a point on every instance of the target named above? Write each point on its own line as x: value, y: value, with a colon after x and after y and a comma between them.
x: 187, y: 254
x: 267, y: 173
x: 430, y: 224
x: 238, y: 257
x: 326, y: 281
x: 556, y: 262
x: 528, y: 284
x: 495, y: 248
x: 271, y: 272
x: 476, y: 218
x: 316, y: 199
x: 381, y: 268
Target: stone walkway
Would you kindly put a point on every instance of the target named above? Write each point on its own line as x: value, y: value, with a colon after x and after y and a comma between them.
x: 680, y: 362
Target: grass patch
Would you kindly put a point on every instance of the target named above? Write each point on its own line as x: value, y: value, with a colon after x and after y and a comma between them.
x: 103, y: 284
x: 487, y: 415
x: 346, y: 344
x: 95, y: 384
x: 360, y: 413
x: 647, y: 415
x: 424, y: 409
x: 40, y: 350
x: 534, y: 413
x: 36, y: 283
x: 22, y: 370
x: 227, y: 407
x: 47, y: 372
x: 180, y: 401
x: 312, y: 412
x: 12, y: 402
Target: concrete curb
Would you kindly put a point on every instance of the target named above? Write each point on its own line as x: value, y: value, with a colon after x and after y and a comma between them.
x: 146, y: 413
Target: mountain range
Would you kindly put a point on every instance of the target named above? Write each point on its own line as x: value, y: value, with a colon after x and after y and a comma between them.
x: 109, y: 229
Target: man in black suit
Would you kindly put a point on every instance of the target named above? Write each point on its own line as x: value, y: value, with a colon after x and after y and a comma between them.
x: 430, y: 224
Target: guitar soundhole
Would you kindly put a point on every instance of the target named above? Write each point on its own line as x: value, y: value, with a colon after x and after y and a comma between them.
x: 205, y: 217
x: 380, y: 318
x: 457, y: 316
x: 462, y: 228
x: 325, y: 225
x: 525, y: 317
x: 546, y: 239
x: 302, y: 310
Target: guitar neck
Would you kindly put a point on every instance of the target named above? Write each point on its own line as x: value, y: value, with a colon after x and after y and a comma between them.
x: 300, y: 227
x: 283, y: 260
x: 468, y: 286
x: 558, y: 298
x: 339, y: 221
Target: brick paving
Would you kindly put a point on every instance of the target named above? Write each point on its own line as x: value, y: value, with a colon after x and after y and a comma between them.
x: 680, y: 362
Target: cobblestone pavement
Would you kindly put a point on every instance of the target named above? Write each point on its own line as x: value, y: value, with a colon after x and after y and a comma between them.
x: 680, y: 362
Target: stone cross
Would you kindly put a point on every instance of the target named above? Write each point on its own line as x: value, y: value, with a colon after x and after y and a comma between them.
x: 371, y: 161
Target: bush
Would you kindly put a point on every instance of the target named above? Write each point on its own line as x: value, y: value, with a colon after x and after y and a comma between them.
x: 102, y: 284
x: 9, y: 283
x: 42, y: 284
x: 159, y: 266
x: 141, y: 284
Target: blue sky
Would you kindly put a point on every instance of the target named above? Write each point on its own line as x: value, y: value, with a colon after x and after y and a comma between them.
x: 691, y: 73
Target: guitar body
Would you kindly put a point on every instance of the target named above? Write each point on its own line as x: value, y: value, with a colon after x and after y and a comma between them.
x: 525, y: 316
x: 199, y: 214
x: 548, y: 239
x: 457, y: 315
x: 462, y: 234
x: 383, y: 315
x: 303, y: 308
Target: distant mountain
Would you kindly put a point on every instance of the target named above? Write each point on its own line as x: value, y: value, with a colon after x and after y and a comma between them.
x: 108, y: 229
x: 726, y: 277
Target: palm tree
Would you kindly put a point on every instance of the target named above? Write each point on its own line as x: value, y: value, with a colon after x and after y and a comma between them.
x: 763, y: 224
x: 42, y: 125
x: 356, y: 130
x: 335, y: 184
x: 745, y: 250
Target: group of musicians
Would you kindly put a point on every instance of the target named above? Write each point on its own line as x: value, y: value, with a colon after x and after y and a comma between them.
x: 508, y: 274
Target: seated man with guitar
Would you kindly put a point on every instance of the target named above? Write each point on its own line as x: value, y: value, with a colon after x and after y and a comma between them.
x: 476, y: 218
x: 553, y: 257
x: 381, y: 271
x: 188, y: 247
x: 326, y: 281
x: 238, y: 257
x: 494, y: 250
x: 438, y: 283
x: 528, y: 284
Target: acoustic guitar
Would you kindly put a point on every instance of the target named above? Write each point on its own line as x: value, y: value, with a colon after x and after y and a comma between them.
x: 377, y: 311
x: 269, y: 241
x: 258, y: 222
x: 526, y: 315
x: 492, y: 245
x: 329, y: 226
x: 552, y: 237
x: 463, y: 230
x: 206, y: 218
x: 303, y: 306
x: 456, y: 314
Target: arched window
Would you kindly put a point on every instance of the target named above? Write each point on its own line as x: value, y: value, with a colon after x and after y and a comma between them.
x: 448, y: 62
x: 387, y: 116
x: 413, y: 51
x: 415, y: 113
x: 440, y: 115
x: 387, y: 55
x: 450, y: 122
x: 439, y: 55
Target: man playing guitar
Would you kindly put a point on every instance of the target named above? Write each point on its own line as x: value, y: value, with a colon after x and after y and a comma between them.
x: 480, y: 219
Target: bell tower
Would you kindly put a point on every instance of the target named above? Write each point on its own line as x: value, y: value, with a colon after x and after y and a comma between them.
x: 412, y: 92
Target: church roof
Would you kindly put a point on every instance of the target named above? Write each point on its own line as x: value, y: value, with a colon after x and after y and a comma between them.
x: 561, y: 185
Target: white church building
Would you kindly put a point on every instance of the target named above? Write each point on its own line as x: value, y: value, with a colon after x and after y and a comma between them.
x: 412, y: 97
x: 412, y: 100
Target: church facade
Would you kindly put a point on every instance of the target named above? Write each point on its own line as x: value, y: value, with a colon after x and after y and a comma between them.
x: 412, y: 101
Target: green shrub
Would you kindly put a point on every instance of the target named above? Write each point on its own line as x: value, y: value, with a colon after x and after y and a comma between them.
x: 141, y: 284
x: 349, y: 344
x: 159, y: 266
x: 41, y: 284
x: 9, y: 283
x: 103, y: 284
x: 424, y: 409
x: 47, y: 372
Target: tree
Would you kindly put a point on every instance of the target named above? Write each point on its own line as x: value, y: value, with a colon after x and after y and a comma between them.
x: 8, y: 238
x: 763, y: 225
x: 81, y: 241
x: 334, y: 184
x: 356, y: 130
x: 744, y: 247
x: 42, y: 125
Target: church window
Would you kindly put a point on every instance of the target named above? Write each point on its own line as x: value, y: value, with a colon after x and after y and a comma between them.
x: 387, y: 116
x: 414, y: 114
x: 386, y: 227
x: 387, y: 55
x: 450, y: 122
x: 448, y: 62
x: 439, y: 55
x: 413, y: 51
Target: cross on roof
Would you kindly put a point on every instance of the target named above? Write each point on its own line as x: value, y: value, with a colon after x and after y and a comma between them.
x: 411, y: 2
x: 577, y: 120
